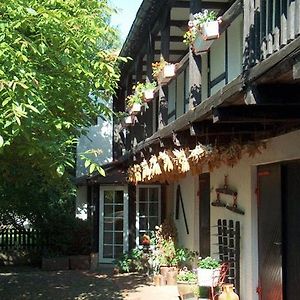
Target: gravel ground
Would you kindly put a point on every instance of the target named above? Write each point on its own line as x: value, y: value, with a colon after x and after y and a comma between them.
x: 33, y: 283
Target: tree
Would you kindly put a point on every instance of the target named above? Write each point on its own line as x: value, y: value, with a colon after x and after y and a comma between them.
x: 56, y: 59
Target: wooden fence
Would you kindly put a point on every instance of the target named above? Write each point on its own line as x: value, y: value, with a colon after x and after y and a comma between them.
x: 25, y: 239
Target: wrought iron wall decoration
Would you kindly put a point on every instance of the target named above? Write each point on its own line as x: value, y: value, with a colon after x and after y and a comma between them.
x: 227, y: 191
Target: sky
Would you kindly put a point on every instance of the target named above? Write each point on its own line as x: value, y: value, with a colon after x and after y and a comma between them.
x: 127, y: 11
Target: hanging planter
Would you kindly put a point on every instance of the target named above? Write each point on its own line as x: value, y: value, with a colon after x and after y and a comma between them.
x: 149, y: 94
x: 129, y: 121
x: 210, y: 30
x: 135, y: 108
x: 169, y: 70
x: 163, y: 71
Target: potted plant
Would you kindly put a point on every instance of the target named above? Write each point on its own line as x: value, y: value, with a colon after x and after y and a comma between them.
x: 204, y: 26
x: 163, y: 70
x: 147, y: 89
x: 208, y: 271
x: 187, y: 284
x: 134, y: 103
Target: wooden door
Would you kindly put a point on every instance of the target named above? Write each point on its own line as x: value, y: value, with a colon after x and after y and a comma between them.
x: 291, y: 230
x: 204, y: 215
x: 270, y: 232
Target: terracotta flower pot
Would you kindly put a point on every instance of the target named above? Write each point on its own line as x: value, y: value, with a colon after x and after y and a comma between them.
x: 187, y: 289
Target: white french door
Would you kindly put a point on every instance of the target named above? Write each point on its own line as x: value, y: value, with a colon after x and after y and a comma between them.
x: 148, y: 209
x: 113, y: 240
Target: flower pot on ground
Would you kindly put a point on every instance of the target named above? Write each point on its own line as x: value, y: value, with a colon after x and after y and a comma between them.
x: 208, y: 271
x: 187, y: 284
x: 210, y: 30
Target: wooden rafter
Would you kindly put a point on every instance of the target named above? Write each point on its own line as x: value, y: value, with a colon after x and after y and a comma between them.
x: 257, y: 113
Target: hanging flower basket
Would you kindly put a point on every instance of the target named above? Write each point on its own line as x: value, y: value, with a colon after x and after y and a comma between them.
x: 210, y: 30
x: 129, y: 120
x: 169, y: 70
x: 135, y: 108
x: 149, y: 94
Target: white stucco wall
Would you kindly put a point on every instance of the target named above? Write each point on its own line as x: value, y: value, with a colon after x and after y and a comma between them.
x: 242, y: 178
x: 189, y: 187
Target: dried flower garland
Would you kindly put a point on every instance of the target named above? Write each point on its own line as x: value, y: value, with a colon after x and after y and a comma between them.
x: 172, y: 165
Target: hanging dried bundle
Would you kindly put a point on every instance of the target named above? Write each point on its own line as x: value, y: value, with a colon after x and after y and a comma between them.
x: 166, y: 160
x: 213, y: 159
x: 255, y: 147
x: 232, y: 154
x: 146, y: 172
x: 154, y: 166
x: 135, y: 174
x: 181, y: 160
x: 198, y: 153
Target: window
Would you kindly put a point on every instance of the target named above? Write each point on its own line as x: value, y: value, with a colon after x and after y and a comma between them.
x: 148, y: 210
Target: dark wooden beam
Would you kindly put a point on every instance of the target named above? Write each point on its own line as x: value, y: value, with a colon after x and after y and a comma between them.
x: 179, y: 23
x: 208, y: 128
x: 173, y: 38
x: 204, y: 5
x: 257, y: 113
x: 165, y: 52
x: 231, y: 93
x: 173, y: 52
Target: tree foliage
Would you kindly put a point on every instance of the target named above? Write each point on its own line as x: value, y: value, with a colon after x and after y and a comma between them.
x: 56, y: 59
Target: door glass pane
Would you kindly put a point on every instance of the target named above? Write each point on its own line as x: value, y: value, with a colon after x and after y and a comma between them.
x: 143, y: 209
x: 113, y: 223
x: 153, y: 195
x: 153, y: 209
x: 148, y: 209
x: 108, y: 196
x: 108, y: 224
x: 119, y: 197
x: 107, y: 251
x: 119, y: 238
x: 108, y: 238
x: 108, y: 210
x: 143, y: 195
x: 143, y: 224
x: 119, y: 224
x: 153, y: 221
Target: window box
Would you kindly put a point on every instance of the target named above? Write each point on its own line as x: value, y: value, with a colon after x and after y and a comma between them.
x: 210, y: 30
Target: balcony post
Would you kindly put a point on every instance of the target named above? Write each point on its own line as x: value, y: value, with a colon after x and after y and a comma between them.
x: 165, y: 52
x: 194, y: 65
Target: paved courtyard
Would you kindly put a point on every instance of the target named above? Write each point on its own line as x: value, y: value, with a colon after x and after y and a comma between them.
x: 33, y: 283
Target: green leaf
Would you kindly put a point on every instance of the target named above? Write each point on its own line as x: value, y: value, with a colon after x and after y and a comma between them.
x: 1, y: 141
x: 101, y: 171
x: 92, y: 168
x: 87, y: 163
x: 60, y: 170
